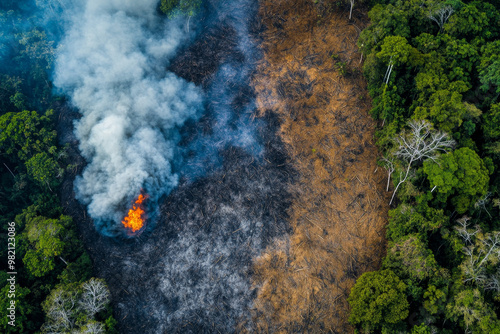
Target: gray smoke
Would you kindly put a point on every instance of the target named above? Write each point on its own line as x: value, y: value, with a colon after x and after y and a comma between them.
x: 112, y: 63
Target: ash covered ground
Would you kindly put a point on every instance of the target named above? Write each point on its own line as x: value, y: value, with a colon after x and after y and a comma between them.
x: 189, y: 272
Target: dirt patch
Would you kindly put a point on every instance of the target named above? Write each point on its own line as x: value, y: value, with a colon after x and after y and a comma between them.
x: 311, y: 77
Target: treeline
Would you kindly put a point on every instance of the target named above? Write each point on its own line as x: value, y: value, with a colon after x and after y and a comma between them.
x: 54, y: 288
x: 433, y: 71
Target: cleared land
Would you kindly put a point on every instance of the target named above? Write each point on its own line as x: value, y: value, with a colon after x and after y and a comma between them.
x: 311, y: 77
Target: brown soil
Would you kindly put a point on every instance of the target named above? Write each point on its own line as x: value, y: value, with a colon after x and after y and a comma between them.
x: 340, y: 205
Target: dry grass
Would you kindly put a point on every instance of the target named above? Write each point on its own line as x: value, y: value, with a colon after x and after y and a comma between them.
x: 340, y: 205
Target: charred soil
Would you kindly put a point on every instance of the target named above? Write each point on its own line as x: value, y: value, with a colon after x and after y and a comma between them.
x: 190, y: 271
x: 300, y: 222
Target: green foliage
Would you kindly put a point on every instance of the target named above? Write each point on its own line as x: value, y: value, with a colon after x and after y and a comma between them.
x: 461, y: 174
x: 468, y: 22
x: 26, y: 133
x: 410, y: 257
x: 176, y: 7
x: 341, y: 67
x: 378, y: 297
x: 23, y: 310
x: 489, y: 68
x: 78, y: 271
x: 397, y: 49
x: 447, y: 74
x: 444, y: 108
x: 111, y: 325
x: 44, y: 170
x: 388, y: 21
x: 470, y: 310
x: 422, y: 329
x: 405, y: 220
x: 47, y: 249
x: 491, y: 122
x: 76, y: 307
x: 435, y: 299
x: 49, y: 238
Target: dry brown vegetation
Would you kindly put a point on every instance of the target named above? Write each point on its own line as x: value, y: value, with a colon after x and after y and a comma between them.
x: 340, y: 205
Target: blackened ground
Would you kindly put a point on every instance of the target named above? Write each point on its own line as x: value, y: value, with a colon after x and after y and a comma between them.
x: 199, y: 62
x: 191, y: 272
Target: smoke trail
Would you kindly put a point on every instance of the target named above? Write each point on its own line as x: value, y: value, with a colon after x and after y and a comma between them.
x: 192, y: 274
x: 111, y: 63
x: 234, y: 122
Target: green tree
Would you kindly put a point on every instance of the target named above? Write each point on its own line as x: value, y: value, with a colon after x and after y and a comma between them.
x: 175, y: 7
x: 408, y: 219
x: 422, y: 329
x: 460, y: 174
x: 491, y: 122
x: 49, y: 239
x: 470, y: 310
x: 468, y: 22
x: 435, y: 299
x: 489, y: 68
x: 27, y: 133
x: 44, y: 170
x: 410, y: 257
x: 445, y: 109
x: 378, y: 298
x: 23, y: 310
x: 395, y: 50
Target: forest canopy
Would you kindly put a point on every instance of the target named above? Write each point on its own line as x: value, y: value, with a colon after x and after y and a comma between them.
x: 54, y: 272
x: 437, y: 62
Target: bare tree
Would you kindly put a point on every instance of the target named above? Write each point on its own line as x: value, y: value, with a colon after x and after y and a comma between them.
x: 389, y: 166
x: 350, y: 11
x: 59, y: 309
x: 387, y: 75
x: 92, y: 327
x: 464, y: 231
x: 95, y: 296
x: 441, y: 15
x: 493, y: 283
x: 486, y: 250
x: 481, y: 203
x: 420, y: 144
x: 482, y: 250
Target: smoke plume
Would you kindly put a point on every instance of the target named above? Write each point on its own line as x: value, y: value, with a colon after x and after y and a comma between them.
x: 192, y: 275
x: 112, y: 63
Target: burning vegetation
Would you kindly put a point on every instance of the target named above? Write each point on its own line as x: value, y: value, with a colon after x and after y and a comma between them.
x: 136, y: 217
x: 285, y: 232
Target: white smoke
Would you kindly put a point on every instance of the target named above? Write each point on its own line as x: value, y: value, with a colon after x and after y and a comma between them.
x: 111, y: 63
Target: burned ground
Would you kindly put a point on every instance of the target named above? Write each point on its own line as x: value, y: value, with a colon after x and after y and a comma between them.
x: 269, y: 240
x: 191, y: 274
x: 311, y: 77
x: 190, y: 271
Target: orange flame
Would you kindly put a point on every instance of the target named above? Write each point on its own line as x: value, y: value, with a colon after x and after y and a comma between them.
x: 135, y: 218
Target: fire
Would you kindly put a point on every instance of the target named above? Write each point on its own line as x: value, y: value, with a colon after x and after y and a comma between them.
x: 135, y: 218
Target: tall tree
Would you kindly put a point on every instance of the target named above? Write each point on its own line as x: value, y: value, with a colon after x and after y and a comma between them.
x: 461, y: 174
x: 378, y: 298
x: 421, y: 143
x: 49, y: 239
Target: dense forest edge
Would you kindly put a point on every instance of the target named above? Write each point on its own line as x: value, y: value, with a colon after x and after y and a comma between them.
x: 433, y: 72
x: 54, y: 289
x: 53, y: 286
